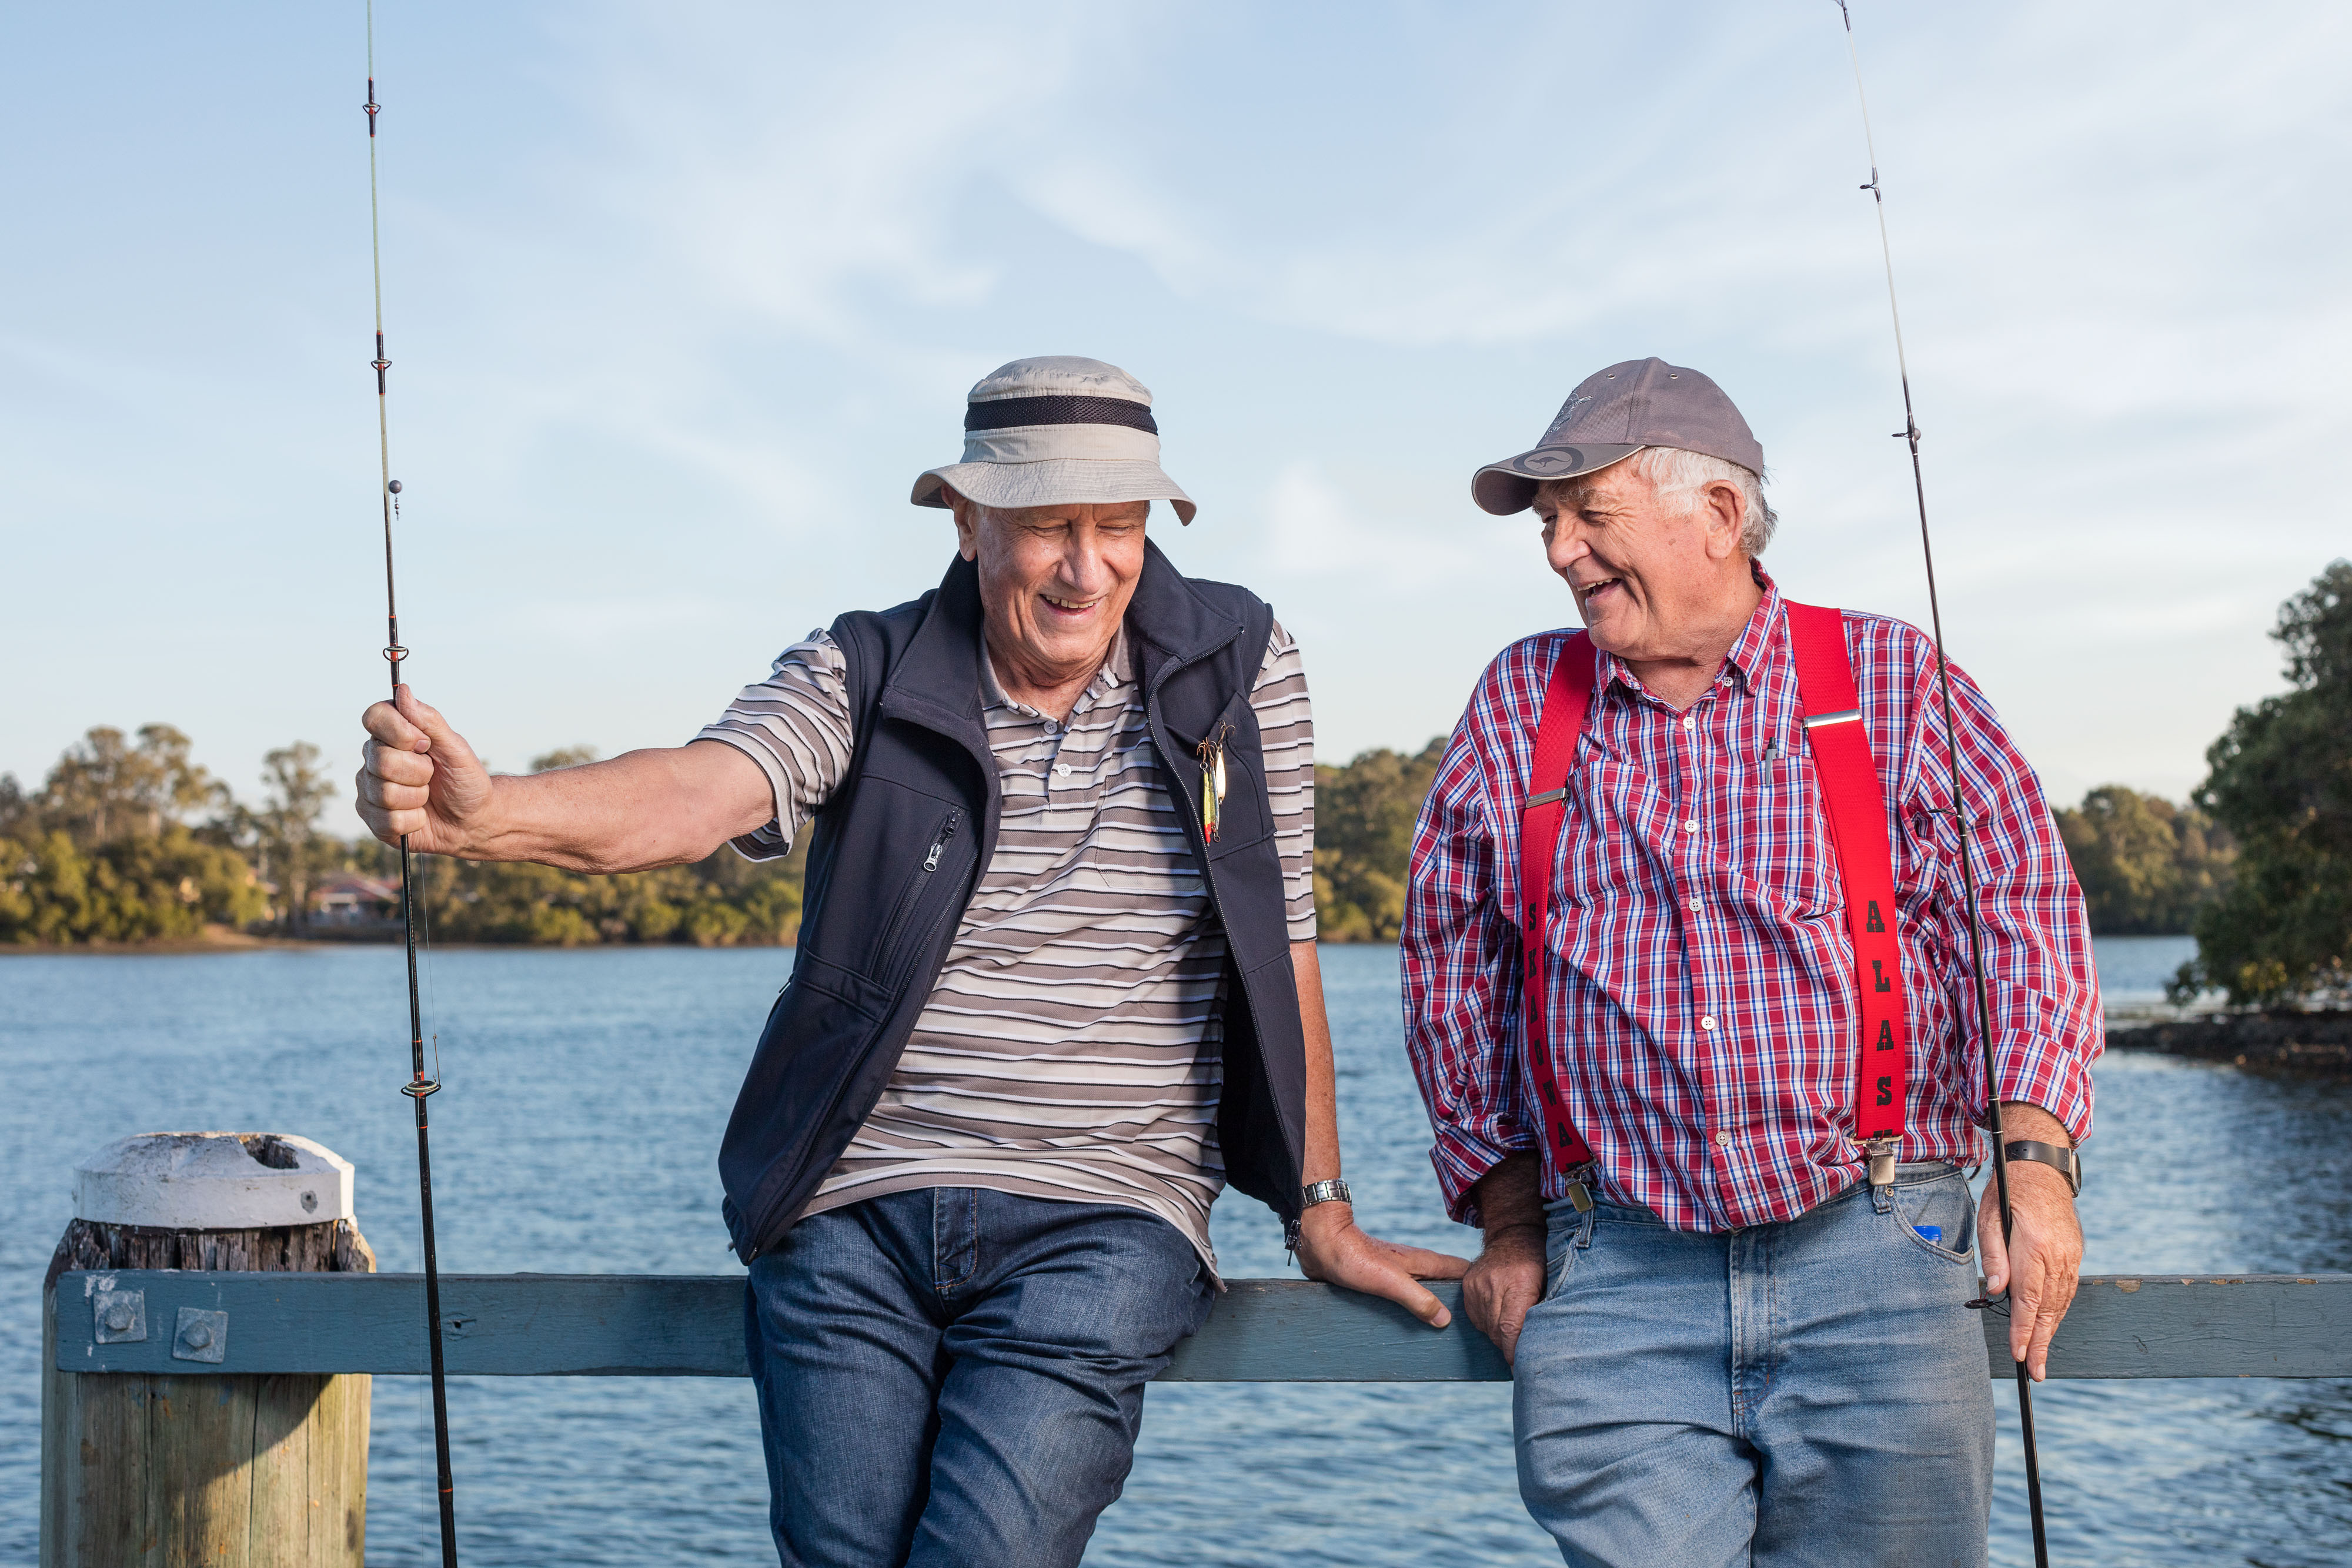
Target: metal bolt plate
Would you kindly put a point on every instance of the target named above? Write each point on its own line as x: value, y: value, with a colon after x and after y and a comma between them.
x: 201, y: 1336
x: 121, y: 1315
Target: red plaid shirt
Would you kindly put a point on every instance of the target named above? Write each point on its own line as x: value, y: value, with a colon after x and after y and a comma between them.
x: 1655, y: 926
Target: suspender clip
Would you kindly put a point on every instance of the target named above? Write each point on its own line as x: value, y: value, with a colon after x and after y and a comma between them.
x: 1882, y: 1161
x: 1579, y: 1197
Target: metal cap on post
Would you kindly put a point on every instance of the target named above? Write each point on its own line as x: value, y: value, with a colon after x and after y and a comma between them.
x: 213, y: 1181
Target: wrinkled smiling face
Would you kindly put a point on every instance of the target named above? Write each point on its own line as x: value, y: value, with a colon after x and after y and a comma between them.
x: 1645, y: 568
x: 1055, y: 582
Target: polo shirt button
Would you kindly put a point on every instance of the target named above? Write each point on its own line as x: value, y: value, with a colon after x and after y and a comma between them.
x: 1723, y: 1139
x: 1061, y: 770
x: 1707, y: 1022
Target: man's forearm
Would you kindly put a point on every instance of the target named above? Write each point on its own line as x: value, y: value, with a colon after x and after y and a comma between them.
x: 2023, y: 1119
x: 638, y: 812
x: 1322, y: 1152
x: 1510, y: 1196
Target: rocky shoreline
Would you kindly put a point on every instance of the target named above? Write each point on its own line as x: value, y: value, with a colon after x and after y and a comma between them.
x: 2316, y: 1044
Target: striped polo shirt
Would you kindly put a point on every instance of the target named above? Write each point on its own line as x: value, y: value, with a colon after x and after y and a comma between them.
x: 1070, y: 1047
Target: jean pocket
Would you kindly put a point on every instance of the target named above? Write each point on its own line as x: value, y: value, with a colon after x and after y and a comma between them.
x: 1939, y: 1216
x: 1559, y: 1256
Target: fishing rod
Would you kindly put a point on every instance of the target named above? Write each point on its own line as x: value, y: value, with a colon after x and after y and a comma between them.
x: 1909, y: 433
x: 420, y: 1086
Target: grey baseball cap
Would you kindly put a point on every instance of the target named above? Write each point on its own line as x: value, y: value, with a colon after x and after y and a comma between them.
x: 1612, y: 415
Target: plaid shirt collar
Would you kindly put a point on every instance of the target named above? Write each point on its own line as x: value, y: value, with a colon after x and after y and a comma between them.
x: 1756, y: 650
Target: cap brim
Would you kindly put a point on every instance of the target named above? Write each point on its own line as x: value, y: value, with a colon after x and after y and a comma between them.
x: 1054, y: 481
x: 1509, y: 486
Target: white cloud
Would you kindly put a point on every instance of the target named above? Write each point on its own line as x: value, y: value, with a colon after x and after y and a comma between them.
x: 683, y: 296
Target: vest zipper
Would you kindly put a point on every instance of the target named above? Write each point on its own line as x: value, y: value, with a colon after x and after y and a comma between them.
x: 947, y: 831
x: 910, y: 893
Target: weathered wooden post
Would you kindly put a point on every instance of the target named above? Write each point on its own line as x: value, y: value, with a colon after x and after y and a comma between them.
x: 226, y: 1471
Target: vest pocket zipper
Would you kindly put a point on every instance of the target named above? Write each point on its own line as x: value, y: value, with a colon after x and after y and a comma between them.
x: 947, y: 831
x: 910, y: 893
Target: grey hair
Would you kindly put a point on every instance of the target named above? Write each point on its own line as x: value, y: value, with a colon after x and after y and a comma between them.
x: 1673, y: 471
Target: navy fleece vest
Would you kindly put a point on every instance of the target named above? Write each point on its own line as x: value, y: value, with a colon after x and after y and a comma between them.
x: 881, y: 908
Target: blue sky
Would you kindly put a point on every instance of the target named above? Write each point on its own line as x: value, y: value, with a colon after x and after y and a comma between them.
x: 681, y: 297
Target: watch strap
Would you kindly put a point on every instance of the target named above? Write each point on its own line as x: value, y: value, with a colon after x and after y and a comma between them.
x: 1332, y: 1191
x: 2067, y: 1162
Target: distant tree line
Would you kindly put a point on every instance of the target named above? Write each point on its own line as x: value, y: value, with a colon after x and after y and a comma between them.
x: 128, y: 841
x: 104, y: 851
x: 2146, y: 865
x: 1364, y: 814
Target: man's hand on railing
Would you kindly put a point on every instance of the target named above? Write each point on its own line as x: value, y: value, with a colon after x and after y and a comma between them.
x: 1334, y: 1250
x: 2042, y: 1264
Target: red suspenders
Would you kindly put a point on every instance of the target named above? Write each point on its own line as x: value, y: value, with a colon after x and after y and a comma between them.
x: 1567, y: 696
x: 1856, y: 809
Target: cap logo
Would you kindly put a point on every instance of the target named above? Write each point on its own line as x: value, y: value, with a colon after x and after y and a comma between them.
x: 1547, y: 459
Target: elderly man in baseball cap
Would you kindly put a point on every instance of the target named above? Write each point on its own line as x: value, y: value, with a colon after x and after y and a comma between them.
x: 1055, y: 986
x: 1687, y: 989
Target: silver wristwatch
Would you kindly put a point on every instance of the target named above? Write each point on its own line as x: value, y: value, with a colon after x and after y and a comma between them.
x: 1332, y: 1191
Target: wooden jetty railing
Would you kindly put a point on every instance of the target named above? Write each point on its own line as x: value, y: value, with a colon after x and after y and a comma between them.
x: 1261, y: 1331
x: 204, y: 1416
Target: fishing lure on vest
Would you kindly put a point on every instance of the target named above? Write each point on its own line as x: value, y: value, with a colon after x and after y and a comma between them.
x: 1212, y: 783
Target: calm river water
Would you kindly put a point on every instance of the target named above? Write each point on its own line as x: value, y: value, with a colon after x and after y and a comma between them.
x: 587, y: 1091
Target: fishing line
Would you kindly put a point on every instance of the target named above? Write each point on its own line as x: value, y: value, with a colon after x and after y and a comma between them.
x: 420, y: 1086
x: 1909, y: 433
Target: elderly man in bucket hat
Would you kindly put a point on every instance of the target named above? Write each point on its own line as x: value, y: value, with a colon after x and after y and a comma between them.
x: 1687, y: 989
x: 1055, y: 986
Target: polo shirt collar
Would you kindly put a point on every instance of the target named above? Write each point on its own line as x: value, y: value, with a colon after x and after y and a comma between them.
x: 1117, y: 669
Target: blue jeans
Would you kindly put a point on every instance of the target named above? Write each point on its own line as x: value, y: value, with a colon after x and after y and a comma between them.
x: 1808, y: 1392
x: 955, y: 1376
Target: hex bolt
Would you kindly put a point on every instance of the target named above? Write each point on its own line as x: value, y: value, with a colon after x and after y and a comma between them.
x: 198, y: 1336
x: 118, y: 1316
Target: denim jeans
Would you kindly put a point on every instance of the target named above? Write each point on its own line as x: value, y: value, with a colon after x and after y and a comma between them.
x: 955, y: 1376
x: 1808, y: 1392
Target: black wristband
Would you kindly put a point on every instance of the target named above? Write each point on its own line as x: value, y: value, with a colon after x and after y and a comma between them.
x: 2067, y: 1162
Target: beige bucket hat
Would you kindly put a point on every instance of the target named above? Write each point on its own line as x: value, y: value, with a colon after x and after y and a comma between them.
x: 1052, y: 429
